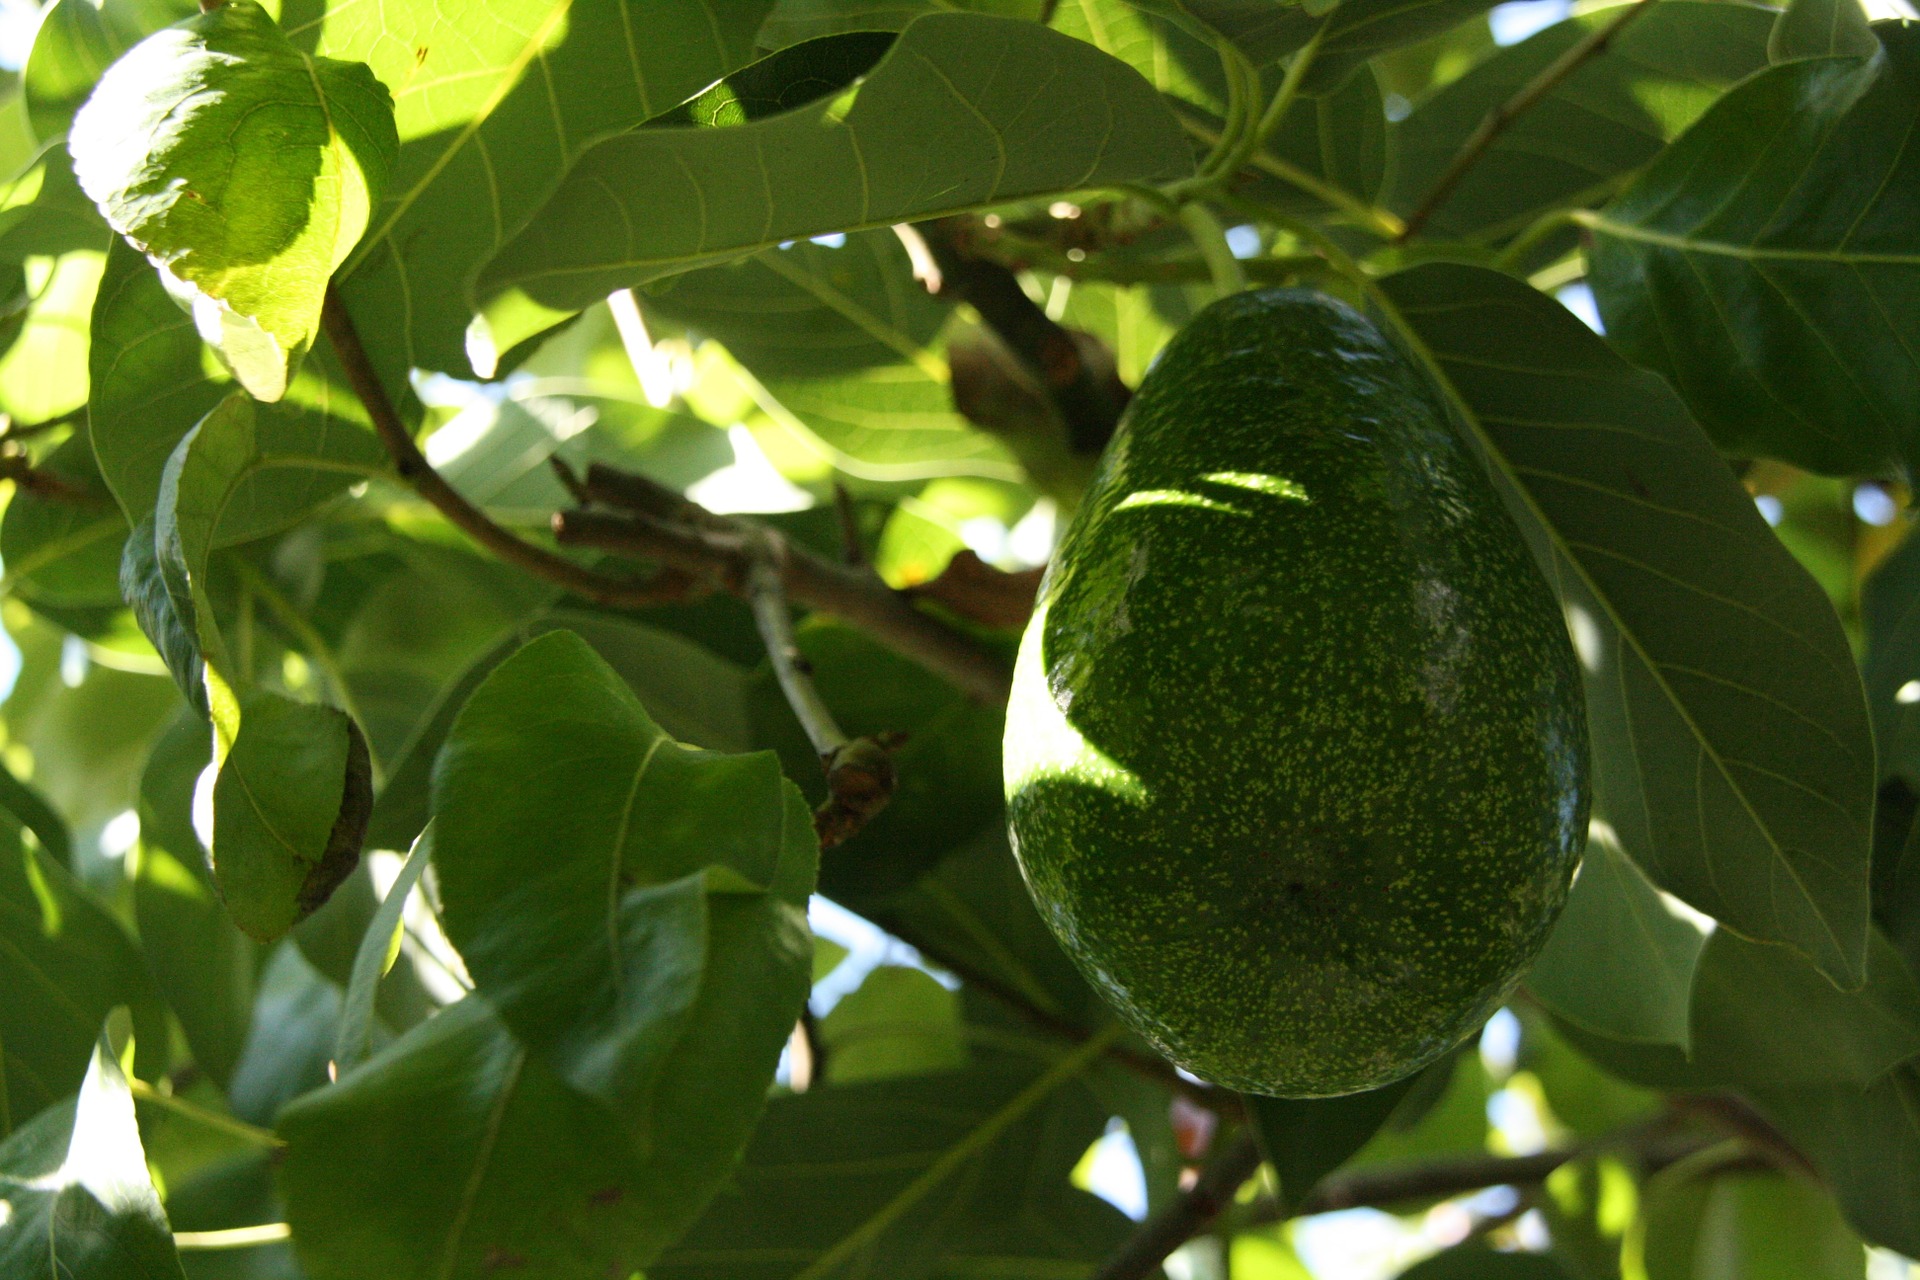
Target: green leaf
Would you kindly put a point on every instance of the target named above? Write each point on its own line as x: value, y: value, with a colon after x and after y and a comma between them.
x: 245, y: 169
x: 75, y: 42
x: 1821, y: 29
x: 168, y: 622
x: 1609, y: 117
x: 1621, y: 961
x: 1305, y: 1139
x: 1355, y: 30
x: 379, y: 948
x: 1762, y: 1016
x: 44, y: 373
x: 1866, y: 1143
x: 898, y: 1022
x: 1477, y: 1261
x: 1763, y: 264
x: 65, y: 962
x: 1732, y: 754
x: 81, y: 1204
x: 30, y: 809
x: 286, y: 1054
x: 562, y: 813
x: 1694, y: 1225
x: 203, y: 965
x: 290, y: 806
x: 962, y: 1173
x: 795, y: 20
x: 62, y: 550
x: 964, y: 111
x: 495, y: 102
x: 151, y: 385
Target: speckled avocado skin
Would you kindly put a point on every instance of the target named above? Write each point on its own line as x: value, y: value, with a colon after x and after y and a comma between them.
x: 1296, y: 756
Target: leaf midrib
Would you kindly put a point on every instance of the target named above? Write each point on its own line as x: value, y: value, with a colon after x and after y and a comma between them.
x: 1748, y: 253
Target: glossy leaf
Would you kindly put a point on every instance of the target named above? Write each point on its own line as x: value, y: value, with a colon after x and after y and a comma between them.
x: 252, y: 193
x: 1732, y: 754
x: 1821, y: 29
x: 944, y: 1174
x: 1609, y: 117
x: 1765, y: 264
x: 493, y: 104
x: 948, y: 121
x: 150, y: 385
x: 563, y: 813
x: 1621, y: 960
x: 80, y: 1201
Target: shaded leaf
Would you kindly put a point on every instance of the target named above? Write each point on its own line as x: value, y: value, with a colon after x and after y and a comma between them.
x: 897, y: 1022
x: 1305, y: 1139
x: 563, y: 813
x: 964, y: 111
x: 937, y: 1175
x: 62, y: 549
x: 1621, y: 961
x: 1866, y: 1142
x: 1764, y: 264
x: 81, y: 1205
x: 1821, y: 29
x: 65, y: 962
x: 795, y: 20
x: 1732, y: 753
x: 1890, y: 615
x: 1762, y: 1016
x: 167, y: 621
x: 1609, y: 117
x: 245, y: 169
x: 202, y: 964
x: 290, y: 1040
x: 1695, y: 1225
x: 379, y: 948
x: 1477, y: 1261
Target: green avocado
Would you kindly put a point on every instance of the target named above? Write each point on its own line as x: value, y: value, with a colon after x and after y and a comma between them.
x: 1296, y: 757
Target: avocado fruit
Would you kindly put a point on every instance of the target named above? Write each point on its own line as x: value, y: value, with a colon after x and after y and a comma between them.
x: 1296, y: 755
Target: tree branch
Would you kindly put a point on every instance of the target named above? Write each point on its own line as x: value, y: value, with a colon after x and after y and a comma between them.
x: 860, y: 774
x: 1497, y: 121
x: 1186, y: 1217
x: 418, y: 473
x: 1089, y: 405
x: 658, y: 524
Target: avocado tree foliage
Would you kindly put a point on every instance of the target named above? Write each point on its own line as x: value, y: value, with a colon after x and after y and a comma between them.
x: 415, y: 779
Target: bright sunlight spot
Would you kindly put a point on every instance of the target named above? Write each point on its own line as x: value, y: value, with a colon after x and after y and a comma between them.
x: 749, y: 483
x: 1514, y: 22
x: 1874, y: 505
x: 119, y: 834
x: 1111, y: 1170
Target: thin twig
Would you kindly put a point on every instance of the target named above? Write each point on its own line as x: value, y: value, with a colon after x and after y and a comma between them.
x: 719, y: 550
x: 413, y: 467
x: 46, y: 484
x: 852, y: 549
x: 1497, y: 121
x: 860, y: 776
x: 1186, y: 1217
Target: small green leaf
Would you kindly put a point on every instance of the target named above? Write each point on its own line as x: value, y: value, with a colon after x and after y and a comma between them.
x: 1621, y: 960
x: 1821, y: 29
x: 245, y: 169
x: 964, y: 111
x: 80, y: 1202
x: 898, y: 1022
x: 1305, y: 1139
x: 1763, y: 263
x: 167, y: 620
